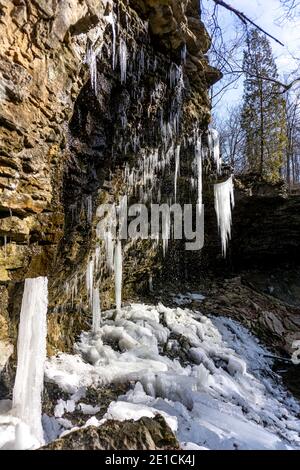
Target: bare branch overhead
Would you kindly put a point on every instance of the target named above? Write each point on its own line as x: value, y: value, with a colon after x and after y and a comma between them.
x: 245, y: 19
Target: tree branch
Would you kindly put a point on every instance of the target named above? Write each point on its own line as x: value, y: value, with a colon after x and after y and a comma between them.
x: 285, y: 86
x: 290, y: 85
x: 245, y: 19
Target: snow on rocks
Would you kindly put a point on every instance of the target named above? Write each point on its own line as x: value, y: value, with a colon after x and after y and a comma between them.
x: 88, y: 409
x: 189, y: 297
x: 224, y: 396
x: 69, y: 372
x: 122, y: 411
x: 63, y: 407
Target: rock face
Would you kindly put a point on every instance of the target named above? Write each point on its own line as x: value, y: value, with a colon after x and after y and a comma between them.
x: 41, y: 74
x: 261, y: 272
x: 145, y: 434
x: 274, y: 321
x: 64, y: 143
x: 266, y: 230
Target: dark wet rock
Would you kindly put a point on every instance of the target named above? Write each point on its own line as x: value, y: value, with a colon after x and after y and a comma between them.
x: 51, y: 394
x: 100, y: 397
x: 144, y: 434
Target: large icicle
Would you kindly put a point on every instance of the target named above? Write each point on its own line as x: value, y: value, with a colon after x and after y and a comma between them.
x: 198, y: 152
x: 166, y: 232
x: 177, y: 167
x: 91, y: 60
x: 89, y: 276
x: 123, y: 60
x: 224, y: 202
x: 111, y: 20
x: 118, y: 264
x: 109, y: 250
x: 96, y: 310
x: 27, y: 393
x: 214, y: 146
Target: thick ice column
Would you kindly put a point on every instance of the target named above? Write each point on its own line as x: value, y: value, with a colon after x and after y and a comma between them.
x: 198, y: 155
x: 177, y: 167
x: 96, y: 310
x: 224, y: 202
x: 91, y: 60
x: 118, y: 265
x: 123, y: 60
x: 90, y: 280
x: 27, y: 393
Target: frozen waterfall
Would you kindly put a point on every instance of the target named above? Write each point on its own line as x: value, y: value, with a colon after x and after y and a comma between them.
x: 177, y: 167
x: 118, y: 265
x: 96, y: 310
x: 91, y: 60
x: 90, y: 280
x: 123, y: 60
x: 29, y: 381
x: 224, y: 202
x: 198, y: 154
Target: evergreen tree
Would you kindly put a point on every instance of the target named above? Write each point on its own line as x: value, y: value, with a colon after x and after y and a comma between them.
x: 263, y: 113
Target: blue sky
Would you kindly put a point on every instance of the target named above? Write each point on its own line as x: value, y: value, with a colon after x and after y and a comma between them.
x: 268, y: 14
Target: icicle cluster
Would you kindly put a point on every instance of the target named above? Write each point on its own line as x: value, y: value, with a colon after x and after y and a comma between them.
x: 143, y: 179
x: 111, y: 20
x: 144, y: 176
x: 91, y: 60
x: 224, y: 203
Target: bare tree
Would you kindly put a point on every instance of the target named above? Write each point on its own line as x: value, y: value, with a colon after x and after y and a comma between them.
x: 225, y: 55
x: 232, y: 138
x: 291, y: 7
x: 292, y: 170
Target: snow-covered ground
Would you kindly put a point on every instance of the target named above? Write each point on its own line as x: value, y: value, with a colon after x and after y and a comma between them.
x: 210, y: 379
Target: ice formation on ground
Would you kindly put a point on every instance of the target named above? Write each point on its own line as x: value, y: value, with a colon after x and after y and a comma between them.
x: 210, y: 378
x: 187, y: 298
